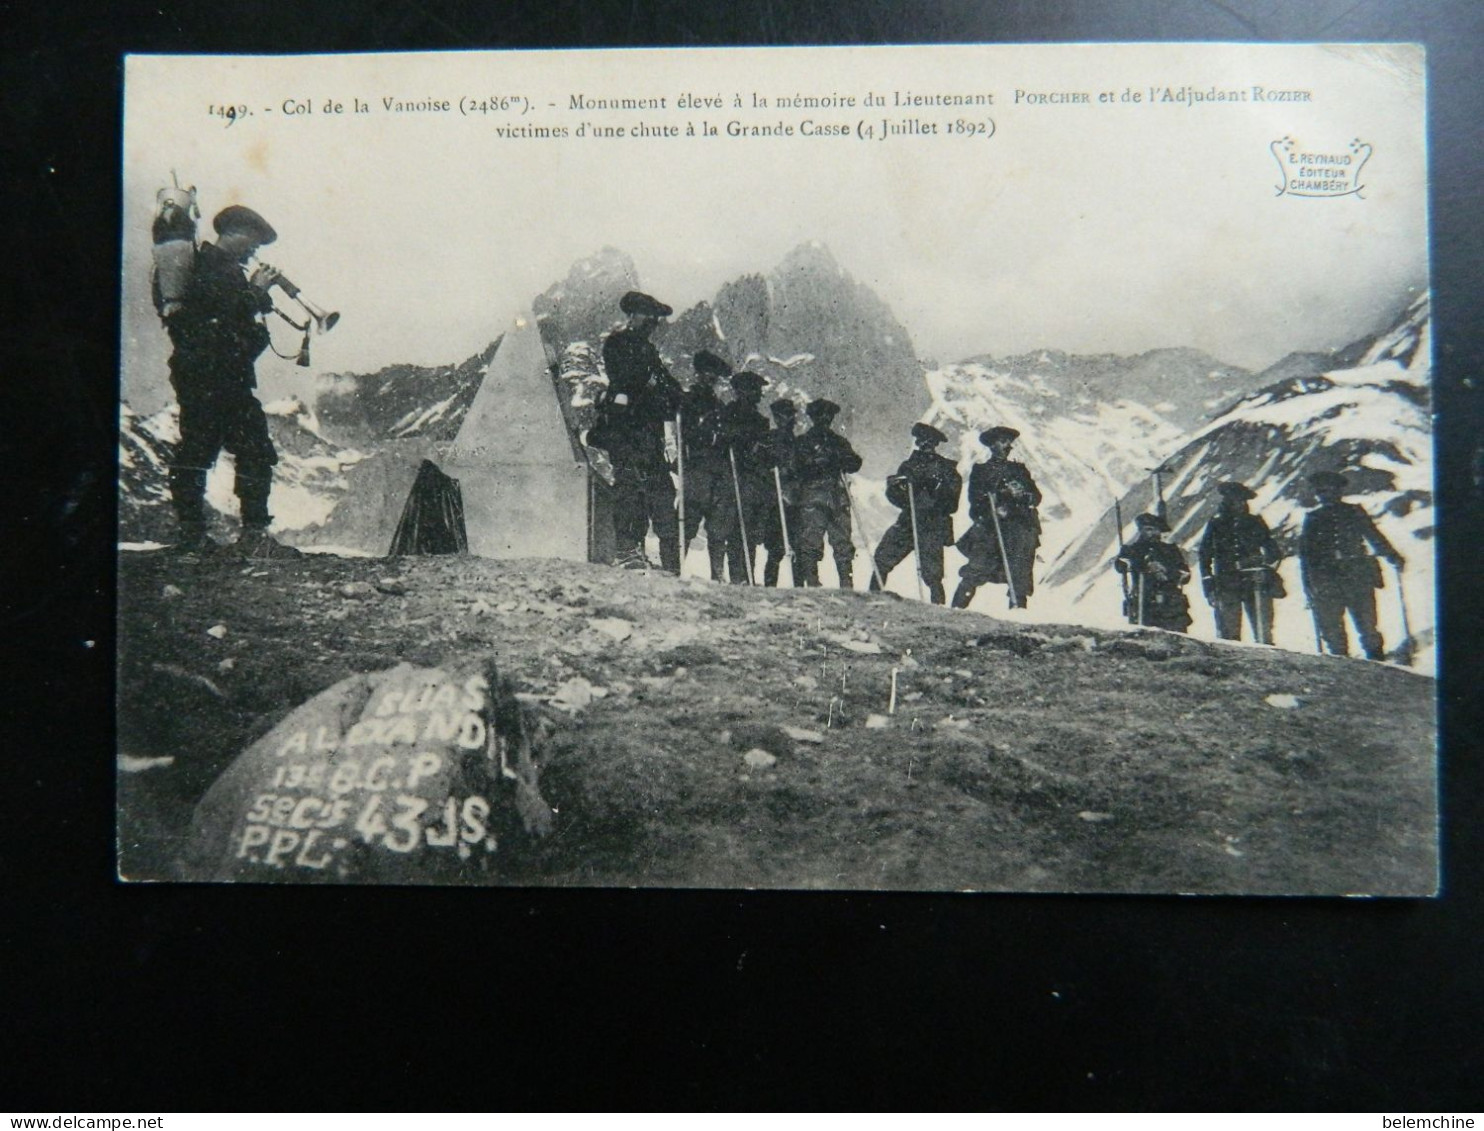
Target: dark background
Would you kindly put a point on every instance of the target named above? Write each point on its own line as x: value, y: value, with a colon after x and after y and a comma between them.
x: 172, y: 997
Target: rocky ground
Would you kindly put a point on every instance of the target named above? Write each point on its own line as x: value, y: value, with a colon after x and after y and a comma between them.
x: 708, y: 735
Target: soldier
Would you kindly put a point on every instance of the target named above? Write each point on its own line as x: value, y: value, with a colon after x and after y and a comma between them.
x: 747, y: 452
x: 782, y: 439
x: 707, y: 477
x: 822, y: 459
x: 217, y: 333
x: 934, y: 483
x: 1239, y: 560
x: 641, y: 397
x: 1339, y: 575
x: 1001, y: 543
x: 1157, y: 572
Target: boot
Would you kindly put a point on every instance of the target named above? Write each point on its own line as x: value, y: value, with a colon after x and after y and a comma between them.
x: 846, y: 570
x: 963, y: 595
x: 256, y: 543
x: 935, y: 592
x: 770, y: 569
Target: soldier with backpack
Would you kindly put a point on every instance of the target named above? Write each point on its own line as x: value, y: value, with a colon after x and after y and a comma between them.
x: 1157, y: 573
x: 707, y: 480
x: 822, y: 459
x: 1239, y: 566
x: 216, y: 328
x: 1338, y: 547
x: 926, y: 487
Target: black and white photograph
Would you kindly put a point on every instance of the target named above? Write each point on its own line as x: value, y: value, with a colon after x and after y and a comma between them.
x: 954, y: 468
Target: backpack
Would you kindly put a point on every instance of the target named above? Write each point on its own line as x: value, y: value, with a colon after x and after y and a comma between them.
x: 173, y: 233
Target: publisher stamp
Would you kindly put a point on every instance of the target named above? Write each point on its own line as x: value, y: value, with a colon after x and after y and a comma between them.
x: 1327, y: 172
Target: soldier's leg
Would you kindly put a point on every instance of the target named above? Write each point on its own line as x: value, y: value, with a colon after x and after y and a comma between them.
x: 659, y: 498
x: 1020, y: 545
x: 932, y: 569
x: 202, y: 430
x: 1260, y: 612
x: 721, y: 532
x: 964, y: 593
x: 629, y: 513
x: 841, y: 545
x: 1226, y: 606
x: 809, y: 544
x: 1329, y: 618
x: 251, y: 445
x: 895, y: 545
x: 1362, y: 604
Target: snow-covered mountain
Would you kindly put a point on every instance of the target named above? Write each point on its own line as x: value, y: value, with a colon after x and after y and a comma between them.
x: 308, y: 481
x: 400, y: 401
x: 1083, y: 451
x: 1371, y: 420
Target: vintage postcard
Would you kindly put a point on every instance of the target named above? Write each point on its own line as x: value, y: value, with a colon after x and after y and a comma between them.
x: 975, y: 468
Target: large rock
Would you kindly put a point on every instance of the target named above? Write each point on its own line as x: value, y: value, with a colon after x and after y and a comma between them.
x: 413, y: 775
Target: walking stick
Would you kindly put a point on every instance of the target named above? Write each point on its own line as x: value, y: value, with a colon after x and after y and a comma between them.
x: 788, y: 550
x: 741, y: 521
x: 999, y: 537
x: 916, y: 542
x: 1314, y: 616
x: 871, y: 550
x: 680, y: 499
x: 1258, y: 605
x: 1122, y: 577
x: 1407, y: 652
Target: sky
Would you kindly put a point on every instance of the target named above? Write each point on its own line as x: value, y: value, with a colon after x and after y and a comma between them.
x: 1082, y: 226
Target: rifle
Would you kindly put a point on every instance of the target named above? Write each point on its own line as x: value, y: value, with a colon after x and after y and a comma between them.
x: 741, y: 521
x: 916, y: 542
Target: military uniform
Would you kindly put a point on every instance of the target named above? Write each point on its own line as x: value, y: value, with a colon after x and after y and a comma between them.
x: 217, y: 336
x: 1157, y: 573
x: 935, y: 485
x: 641, y: 397
x: 1238, y: 560
x: 707, y: 478
x: 744, y: 444
x: 1004, y: 489
x: 1340, y: 576
x: 783, y: 442
x: 821, y: 458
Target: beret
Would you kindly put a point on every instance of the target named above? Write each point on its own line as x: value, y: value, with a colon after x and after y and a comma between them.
x: 637, y: 302
x: 239, y: 218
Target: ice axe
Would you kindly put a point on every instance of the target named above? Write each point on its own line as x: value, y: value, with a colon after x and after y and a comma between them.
x: 741, y: 520
x: 1159, y: 473
x: 1122, y: 546
x: 916, y: 541
x: 999, y: 537
x: 1406, y: 651
x: 680, y: 498
x: 788, y: 550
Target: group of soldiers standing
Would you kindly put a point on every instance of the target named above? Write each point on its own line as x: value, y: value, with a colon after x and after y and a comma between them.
x: 751, y: 483
x: 1338, y: 548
